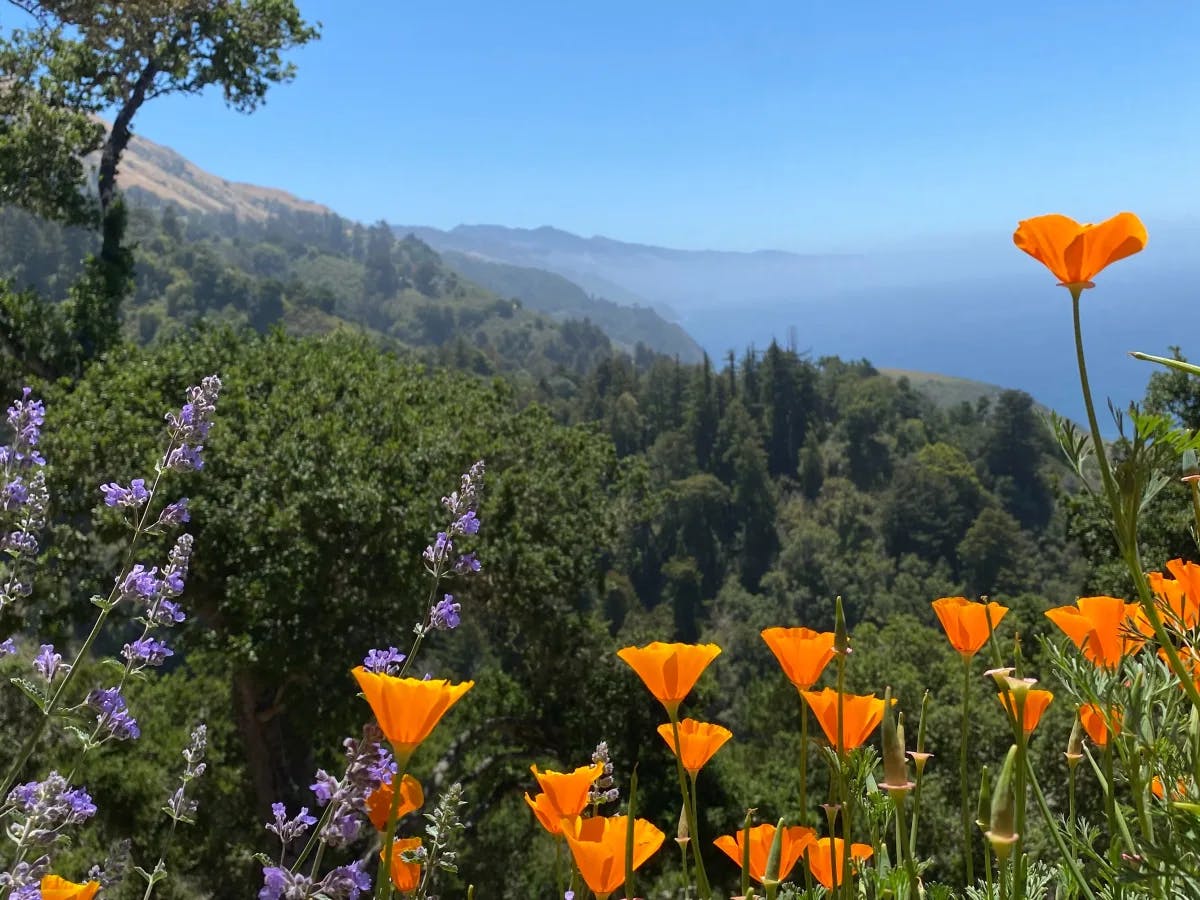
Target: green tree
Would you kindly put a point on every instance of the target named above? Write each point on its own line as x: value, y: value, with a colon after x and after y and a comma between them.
x: 82, y: 58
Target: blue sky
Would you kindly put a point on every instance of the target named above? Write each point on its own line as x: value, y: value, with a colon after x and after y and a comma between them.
x: 808, y: 126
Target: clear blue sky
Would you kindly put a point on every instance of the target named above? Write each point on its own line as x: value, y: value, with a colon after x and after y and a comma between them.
x: 733, y: 125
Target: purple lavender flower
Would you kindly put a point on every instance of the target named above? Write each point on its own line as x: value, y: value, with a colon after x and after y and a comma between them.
x: 347, y: 882
x: 287, y: 829
x: 112, y: 715
x: 47, y: 807
x: 445, y: 614
x: 26, y: 418
x: 468, y: 523
x: 175, y: 513
x: 23, y: 882
x: 147, y: 652
x: 21, y: 542
x: 139, y: 583
x: 275, y: 881
x: 134, y: 496
x: 14, y: 495
x: 466, y: 564
x: 165, y: 613
x: 47, y: 663
x: 189, y: 427
x: 179, y: 806
x: 7, y: 647
x: 439, y: 550
x: 383, y: 662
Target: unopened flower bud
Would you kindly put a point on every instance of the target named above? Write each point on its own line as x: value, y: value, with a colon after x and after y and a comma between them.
x: 895, y: 765
x: 771, y: 872
x: 1075, y: 744
x: 983, y: 809
x: 1002, y: 832
x: 841, y: 640
x: 682, y: 832
x: 1190, y: 466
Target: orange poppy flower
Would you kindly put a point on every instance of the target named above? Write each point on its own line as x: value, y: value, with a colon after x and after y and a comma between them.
x: 862, y: 715
x: 822, y: 859
x: 1104, y: 628
x: 405, y: 876
x: 699, y: 740
x: 966, y: 622
x: 1075, y: 253
x: 1158, y: 790
x: 598, y: 846
x: 379, y: 801
x: 564, y: 795
x: 792, y: 845
x: 1190, y: 661
x: 1091, y: 717
x: 1035, y: 704
x: 1179, y: 596
x: 408, y: 709
x: 55, y: 888
x: 803, y: 653
x: 670, y: 671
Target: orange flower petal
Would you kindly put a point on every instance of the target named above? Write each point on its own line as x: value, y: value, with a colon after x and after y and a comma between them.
x: 564, y: 794
x: 405, y: 876
x: 862, y: 715
x: 1034, y: 705
x: 379, y: 801
x: 598, y: 847
x: 1075, y: 253
x: 699, y: 740
x: 966, y: 622
x: 803, y: 653
x: 408, y: 709
x: 1092, y: 718
x: 55, y: 888
x: 1105, y: 629
x: 670, y: 671
x: 792, y: 845
x: 822, y: 859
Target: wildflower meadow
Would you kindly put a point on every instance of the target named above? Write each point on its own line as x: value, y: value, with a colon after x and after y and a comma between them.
x: 1103, y: 803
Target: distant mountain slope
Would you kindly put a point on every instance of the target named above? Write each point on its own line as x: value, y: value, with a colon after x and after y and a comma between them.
x: 555, y: 295
x: 151, y: 169
x: 675, y: 281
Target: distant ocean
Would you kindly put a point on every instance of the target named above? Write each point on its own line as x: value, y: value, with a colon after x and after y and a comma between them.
x: 996, y: 331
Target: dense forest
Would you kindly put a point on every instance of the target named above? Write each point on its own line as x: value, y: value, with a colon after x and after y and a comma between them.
x: 628, y: 499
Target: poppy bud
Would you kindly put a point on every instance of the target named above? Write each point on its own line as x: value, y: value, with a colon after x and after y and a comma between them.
x: 983, y: 809
x: 1190, y: 465
x: 895, y: 765
x: 1075, y: 744
x: 841, y: 641
x: 682, y: 834
x: 771, y: 871
x: 1002, y: 832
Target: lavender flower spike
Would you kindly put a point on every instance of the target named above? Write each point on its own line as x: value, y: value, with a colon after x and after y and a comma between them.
x: 445, y: 615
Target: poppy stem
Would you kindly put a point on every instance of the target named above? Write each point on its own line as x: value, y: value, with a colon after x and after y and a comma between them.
x: 383, y: 882
x: 902, y: 846
x: 803, y: 762
x: 1068, y: 857
x: 968, y: 855
x: 1126, y: 531
x: 702, y: 888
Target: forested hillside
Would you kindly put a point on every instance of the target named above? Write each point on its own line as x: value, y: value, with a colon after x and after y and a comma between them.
x: 310, y: 273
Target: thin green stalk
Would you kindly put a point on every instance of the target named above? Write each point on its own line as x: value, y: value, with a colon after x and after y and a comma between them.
x: 1194, y: 491
x: 702, y: 887
x: 902, y: 847
x: 383, y: 882
x: 1071, y: 818
x: 1018, y: 855
x: 803, y: 762
x: 1064, y: 852
x: 1110, y: 804
x: 968, y: 861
